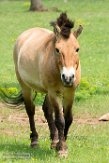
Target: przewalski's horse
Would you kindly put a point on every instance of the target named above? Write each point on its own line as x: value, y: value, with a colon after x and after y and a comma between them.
x: 48, y: 62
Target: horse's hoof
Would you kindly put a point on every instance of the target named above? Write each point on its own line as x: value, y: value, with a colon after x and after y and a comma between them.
x: 63, y: 153
x: 62, y: 149
x: 61, y: 146
x: 34, y: 144
x: 54, y: 144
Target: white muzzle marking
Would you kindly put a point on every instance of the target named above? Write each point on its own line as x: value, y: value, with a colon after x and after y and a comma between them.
x: 68, y: 75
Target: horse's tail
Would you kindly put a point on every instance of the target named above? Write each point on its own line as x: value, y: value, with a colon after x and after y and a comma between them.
x: 15, y: 100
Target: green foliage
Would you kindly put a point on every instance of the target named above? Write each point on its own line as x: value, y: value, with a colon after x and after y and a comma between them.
x: 14, y: 91
x: 88, y: 89
x: 39, y: 99
x: 85, y: 90
x: 10, y: 91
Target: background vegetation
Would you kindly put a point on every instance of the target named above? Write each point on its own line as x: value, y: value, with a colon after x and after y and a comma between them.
x: 87, y: 142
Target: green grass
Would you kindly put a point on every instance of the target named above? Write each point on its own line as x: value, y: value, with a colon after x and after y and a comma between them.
x: 88, y: 143
x: 92, y: 149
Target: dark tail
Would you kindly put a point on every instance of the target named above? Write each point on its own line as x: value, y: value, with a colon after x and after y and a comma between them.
x: 15, y: 100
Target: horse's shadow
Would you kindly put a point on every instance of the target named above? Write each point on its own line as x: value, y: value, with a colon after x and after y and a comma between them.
x: 24, y: 152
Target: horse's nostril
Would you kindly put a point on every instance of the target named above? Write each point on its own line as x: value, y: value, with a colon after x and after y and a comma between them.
x: 68, y: 79
x: 63, y: 76
x: 72, y: 76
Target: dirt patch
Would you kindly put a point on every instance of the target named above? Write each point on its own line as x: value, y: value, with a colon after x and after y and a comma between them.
x: 91, y: 121
x: 2, y: 105
x: 23, y: 119
x: 17, y: 116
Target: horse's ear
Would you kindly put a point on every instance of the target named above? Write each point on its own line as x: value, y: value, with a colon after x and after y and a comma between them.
x: 78, y: 31
x: 57, y: 29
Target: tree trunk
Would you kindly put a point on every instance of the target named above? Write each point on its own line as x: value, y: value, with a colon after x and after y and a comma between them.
x: 36, y: 5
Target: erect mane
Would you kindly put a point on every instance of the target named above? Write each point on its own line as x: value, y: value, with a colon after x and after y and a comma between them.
x: 65, y: 25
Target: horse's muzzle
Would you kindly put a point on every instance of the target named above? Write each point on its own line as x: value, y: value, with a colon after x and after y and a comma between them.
x: 67, y: 80
x: 68, y: 76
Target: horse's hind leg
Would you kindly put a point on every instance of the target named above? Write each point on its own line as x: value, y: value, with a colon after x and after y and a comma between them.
x: 48, y: 112
x: 30, y: 109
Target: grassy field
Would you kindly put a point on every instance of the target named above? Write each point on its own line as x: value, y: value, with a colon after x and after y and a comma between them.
x: 88, y: 139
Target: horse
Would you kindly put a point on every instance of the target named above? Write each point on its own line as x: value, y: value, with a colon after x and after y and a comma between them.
x: 48, y: 62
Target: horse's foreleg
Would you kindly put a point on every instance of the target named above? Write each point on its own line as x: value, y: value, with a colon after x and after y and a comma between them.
x: 67, y: 109
x: 48, y: 112
x: 30, y: 109
x: 60, y: 124
x: 68, y: 120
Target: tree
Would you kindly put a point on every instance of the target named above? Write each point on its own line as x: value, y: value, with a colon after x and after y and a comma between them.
x: 36, y: 5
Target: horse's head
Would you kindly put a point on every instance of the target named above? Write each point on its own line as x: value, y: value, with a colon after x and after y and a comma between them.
x: 66, y: 48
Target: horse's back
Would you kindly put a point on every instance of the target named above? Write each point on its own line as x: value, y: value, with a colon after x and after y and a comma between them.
x: 32, y: 37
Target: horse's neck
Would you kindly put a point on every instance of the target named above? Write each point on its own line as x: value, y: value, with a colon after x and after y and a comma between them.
x: 50, y: 59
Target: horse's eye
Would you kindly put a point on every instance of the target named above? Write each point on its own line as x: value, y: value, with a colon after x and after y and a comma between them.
x: 77, y: 50
x: 57, y: 50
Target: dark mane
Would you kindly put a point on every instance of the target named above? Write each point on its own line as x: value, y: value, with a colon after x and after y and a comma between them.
x: 65, y: 25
